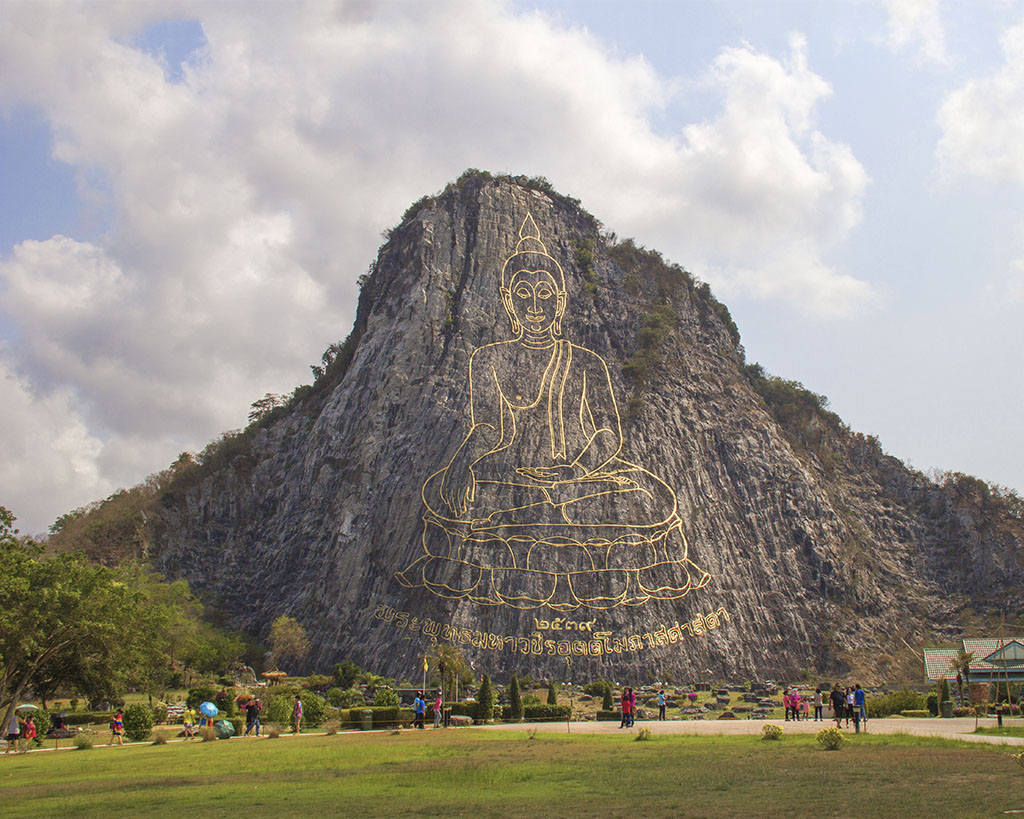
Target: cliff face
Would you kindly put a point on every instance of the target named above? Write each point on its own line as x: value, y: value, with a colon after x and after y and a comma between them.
x: 727, y: 535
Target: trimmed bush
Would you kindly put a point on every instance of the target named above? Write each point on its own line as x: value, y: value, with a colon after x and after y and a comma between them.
x: 83, y: 742
x: 138, y: 722
x: 346, y: 697
x: 314, y: 710
x: 925, y: 713
x: 89, y: 718
x: 515, y: 699
x: 386, y: 698
x: 546, y: 713
x: 279, y: 710
x: 831, y: 739
x: 771, y: 731
x: 608, y: 715
x: 894, y: 703
x: 552, y: 693
x: 485, y: 700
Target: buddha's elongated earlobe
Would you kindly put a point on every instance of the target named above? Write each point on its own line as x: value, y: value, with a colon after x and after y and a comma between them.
x: 559, y: 312
x: 506, y: 300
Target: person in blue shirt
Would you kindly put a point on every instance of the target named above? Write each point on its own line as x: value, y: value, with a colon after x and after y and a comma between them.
x: 419, y: 708
x: 858, y: 702
x: 661, y: 704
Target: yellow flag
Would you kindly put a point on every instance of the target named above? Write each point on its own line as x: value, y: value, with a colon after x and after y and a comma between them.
x: 424, y: 662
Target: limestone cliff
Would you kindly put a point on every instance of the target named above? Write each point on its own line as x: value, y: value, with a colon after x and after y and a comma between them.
x: 818, y: 545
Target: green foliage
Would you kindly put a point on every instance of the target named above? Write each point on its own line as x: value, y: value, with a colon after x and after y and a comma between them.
x: 771, y: 732
x: 138, y: 722
x: 386, y: 698
x: 200, y: 694
x: 288, y: 640
x: 62, y: 621
x: 225, y: 701
x: 345, y: 698
x: 530, y: 699
x: 515, y: 700
x: 544, y: 713
x: 346, y: 674
x: 43, y: 721
x: 552, y: 693
x: 831, y: 739
x: 933, y: 704
x: 279, y: 709
x: 944, y: 690
x: 314, y: 710
x: 893, y: 703
x: 643, y: 734
x: 916, y: 713
x: 485, y: 700
x: 83, y: 742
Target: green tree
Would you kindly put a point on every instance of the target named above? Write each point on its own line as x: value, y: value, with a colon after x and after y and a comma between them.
x: 552, y: 693
x: 314, y: 710
x: 138, y: 722
x: 944, y: 690
x: 346, y: 673
x: 59, y: 616
x: 962, y: 663
x: 485, y: 700
x: 607, y: 698
x: 385, y: 697
x: 288, y: 640
x: 515, y: 699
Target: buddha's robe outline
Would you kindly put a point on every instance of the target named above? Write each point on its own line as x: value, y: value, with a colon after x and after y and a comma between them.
x: 535, y: 528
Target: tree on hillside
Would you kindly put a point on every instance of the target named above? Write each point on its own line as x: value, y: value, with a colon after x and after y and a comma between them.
x: 288, y: 640
x: 60, y: 618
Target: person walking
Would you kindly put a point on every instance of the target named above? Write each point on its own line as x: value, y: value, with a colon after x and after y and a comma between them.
x: 860, y: 703
x: 817, y: 704
x: 805, y: 708
x: 188, y: 719
x: 252, y: 717
x: 838, y: 701
x: 29, y: 731
x: 297, y: 715
x: 787, y: 704
x: 117, y: 728
x: 661, y: 705
x: 794, y: 700
x: 419, y: 706
x: 12, y: 732
x: 849, y: 705
x: 438, y: 707
x: 632, y: 707
x: 624, y: 723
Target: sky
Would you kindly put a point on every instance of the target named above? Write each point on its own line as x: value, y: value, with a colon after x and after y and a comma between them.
x: 190, y: 190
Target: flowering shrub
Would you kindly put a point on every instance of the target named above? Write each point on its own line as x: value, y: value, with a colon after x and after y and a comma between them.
x: 831, y: 739
x: 1019, y: 758
x: 771, y: 731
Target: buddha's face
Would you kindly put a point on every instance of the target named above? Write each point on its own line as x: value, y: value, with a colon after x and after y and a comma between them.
x: 534, y: 302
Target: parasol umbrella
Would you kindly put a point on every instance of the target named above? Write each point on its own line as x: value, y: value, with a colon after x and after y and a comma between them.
x: 208, y: 709
x: 27, y: 707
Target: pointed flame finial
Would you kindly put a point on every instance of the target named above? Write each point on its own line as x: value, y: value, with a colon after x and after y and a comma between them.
x: 529, y: 237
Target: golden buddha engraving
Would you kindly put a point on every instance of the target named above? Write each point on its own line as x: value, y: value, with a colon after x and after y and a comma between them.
x: 535, y: 508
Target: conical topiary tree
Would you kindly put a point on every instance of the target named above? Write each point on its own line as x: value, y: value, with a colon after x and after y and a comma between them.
x: 515, y: 699
x: 552, y: 693
x: 485, y: 700
x: 608, y: 701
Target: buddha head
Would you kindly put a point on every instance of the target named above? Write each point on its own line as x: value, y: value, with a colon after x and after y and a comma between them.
x: 533, y: 287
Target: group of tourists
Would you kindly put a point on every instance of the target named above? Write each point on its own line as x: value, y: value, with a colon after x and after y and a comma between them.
x: 850, y: 704
x: 799, y: 707
x: 19, y: 730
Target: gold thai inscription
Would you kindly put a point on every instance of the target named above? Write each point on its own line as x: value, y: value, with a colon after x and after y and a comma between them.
x: 598, y: 643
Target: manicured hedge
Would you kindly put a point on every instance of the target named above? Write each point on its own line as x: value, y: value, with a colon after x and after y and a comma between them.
x: 609, y: 716
x: 388, y: 716
x: 917, y: 713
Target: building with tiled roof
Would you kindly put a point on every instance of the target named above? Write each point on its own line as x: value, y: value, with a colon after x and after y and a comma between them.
x: 994, y: 659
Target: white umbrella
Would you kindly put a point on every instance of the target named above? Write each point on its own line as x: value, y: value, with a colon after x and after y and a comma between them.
x: 27, y: 707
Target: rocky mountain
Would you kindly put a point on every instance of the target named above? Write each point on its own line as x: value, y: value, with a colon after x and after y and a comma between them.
x: 544, y: 445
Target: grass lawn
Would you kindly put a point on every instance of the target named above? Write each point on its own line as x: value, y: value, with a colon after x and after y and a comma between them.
x: 1005, y: 731
x: 482, y: 773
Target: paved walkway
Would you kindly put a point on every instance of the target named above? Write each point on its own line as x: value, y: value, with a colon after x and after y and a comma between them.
x: 957, y: 728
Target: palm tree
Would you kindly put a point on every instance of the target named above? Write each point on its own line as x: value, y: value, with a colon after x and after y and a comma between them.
x: 962, y: 663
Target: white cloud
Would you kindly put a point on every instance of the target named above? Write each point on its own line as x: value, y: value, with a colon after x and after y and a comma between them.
x: 246, y: 197
x: 982, y: 124
x: 917, y: 23
x: 982, y: 121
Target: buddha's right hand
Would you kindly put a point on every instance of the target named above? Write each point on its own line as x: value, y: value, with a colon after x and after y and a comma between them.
x: 458, y: 489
